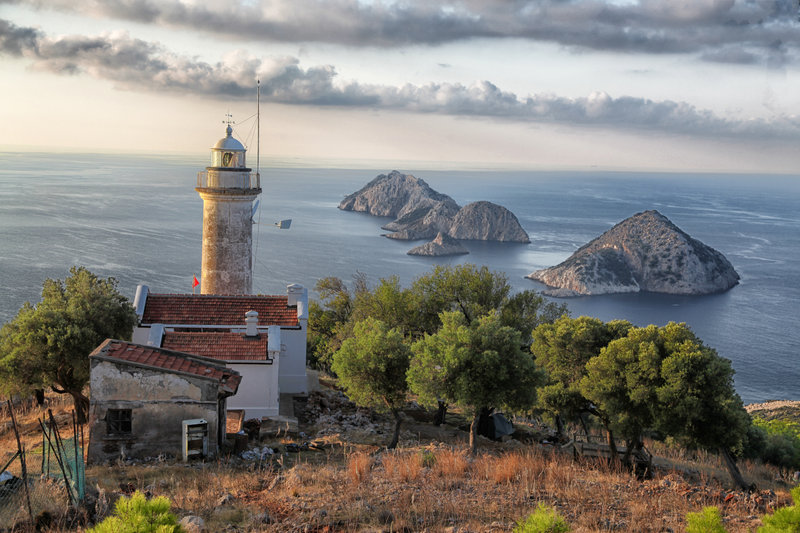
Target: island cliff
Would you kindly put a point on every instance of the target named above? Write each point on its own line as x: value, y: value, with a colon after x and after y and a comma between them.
x: 645, y: 252
x: 485, y: 221
x: 422, y: 213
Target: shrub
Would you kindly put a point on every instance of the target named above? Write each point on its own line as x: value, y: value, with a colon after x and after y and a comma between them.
x: 137, y: 514
x: 428, y: 459
x: 781, y: 446
x: 707, y: 521
x: 785, y: 519
x: 543, y: 520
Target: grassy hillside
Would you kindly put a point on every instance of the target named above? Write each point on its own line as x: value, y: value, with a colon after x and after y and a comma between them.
x: 335, y: 476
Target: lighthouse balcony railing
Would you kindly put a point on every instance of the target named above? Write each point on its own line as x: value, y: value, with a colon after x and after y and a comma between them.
x: 228, y: 180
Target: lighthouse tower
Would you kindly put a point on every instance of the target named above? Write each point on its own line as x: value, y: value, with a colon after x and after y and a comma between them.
x: 228, y: 190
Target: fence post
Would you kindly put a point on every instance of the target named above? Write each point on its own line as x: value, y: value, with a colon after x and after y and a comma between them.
x: 21, y: 452
x: 58, y: 458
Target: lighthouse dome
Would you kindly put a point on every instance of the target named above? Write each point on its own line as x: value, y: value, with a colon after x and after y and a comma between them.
x: 228, y: 152
x: 228, y: 142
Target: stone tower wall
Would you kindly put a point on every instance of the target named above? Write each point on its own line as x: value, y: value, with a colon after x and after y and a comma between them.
x: 227, y: 241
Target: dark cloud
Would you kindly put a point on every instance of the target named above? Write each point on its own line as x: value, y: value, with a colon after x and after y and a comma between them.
x: 15, y: 40
x: 708, y: 28
x: 137, y: 65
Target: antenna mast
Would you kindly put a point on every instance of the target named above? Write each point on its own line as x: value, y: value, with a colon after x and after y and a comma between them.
x: 258, y: 131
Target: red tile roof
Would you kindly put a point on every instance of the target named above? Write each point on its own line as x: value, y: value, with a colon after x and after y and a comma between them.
x: 218, y: 345
x: 169, y: 360
x: 211, y: 309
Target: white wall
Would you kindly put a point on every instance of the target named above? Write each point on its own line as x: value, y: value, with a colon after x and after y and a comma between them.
x: 293, y: 378
x: 258, y: 392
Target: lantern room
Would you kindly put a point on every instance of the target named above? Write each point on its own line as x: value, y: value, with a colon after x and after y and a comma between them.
x: 228, y: 152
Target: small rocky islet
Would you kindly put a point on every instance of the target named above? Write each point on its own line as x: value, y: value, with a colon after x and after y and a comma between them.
x: 645, y: 252
x: 423, y: 213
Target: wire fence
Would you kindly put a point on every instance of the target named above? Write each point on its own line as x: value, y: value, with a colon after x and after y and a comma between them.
x: 43, y: 478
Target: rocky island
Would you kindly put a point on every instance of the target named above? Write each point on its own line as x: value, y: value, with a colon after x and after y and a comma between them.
x: 443, y: 244
x: 423, y: 213
x: 645, y: 252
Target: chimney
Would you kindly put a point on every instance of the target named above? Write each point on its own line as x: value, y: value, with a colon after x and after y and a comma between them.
x: 274, y: 341
x: 251, y: 324
x: 140, y: 300
x: 294, y: 292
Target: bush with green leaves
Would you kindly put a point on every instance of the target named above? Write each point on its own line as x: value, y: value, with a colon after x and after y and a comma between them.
x: 137, y: 514
x: 543, y: 520
x: 781, y: 442
x: 706, y: 521
x: 785, y: 519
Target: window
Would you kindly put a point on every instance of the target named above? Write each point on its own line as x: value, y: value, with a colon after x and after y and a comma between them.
x: 118, y: 422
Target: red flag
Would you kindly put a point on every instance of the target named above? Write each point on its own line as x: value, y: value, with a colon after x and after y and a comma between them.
x: 195, y: 283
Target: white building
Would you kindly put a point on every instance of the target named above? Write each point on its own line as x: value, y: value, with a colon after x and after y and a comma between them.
x: 269, y: 351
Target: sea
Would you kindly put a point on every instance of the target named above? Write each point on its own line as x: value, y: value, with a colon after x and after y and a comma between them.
x: 138, y: 219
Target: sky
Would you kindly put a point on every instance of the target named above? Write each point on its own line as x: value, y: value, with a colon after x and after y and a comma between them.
x: 672, y: 85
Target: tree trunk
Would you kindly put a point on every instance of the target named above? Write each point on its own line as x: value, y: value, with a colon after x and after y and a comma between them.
x: 39, y: 393
x: 81, y: 404
x: 441, y: 412
x: 626, y: 459
x: 559, y: 428
x: 473, y: 433
x: 612, y: 446
x: 585, y: 429
x: 396, y: 436
x: 733, y: 470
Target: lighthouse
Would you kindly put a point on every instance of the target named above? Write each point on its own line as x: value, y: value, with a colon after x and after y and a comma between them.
x: 228, y: 189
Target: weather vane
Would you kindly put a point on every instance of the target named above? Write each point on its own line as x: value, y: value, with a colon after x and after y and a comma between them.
x: 228, y: 119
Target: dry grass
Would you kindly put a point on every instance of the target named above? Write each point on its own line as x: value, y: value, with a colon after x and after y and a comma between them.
x: 358, y: 466
x: 402, y: 466
x: 389, y: 491
x: 450, y: 463
x: 434, y: 486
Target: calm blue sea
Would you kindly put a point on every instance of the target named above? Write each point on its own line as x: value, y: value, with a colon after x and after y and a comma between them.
x: 139, y: 219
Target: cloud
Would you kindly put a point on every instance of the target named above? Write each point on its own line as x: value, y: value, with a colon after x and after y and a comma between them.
x: 137, y: 65
x: 707, y: 28
x: 14, y: 40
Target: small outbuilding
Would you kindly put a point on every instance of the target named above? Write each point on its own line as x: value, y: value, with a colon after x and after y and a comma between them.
x: 142, y: 395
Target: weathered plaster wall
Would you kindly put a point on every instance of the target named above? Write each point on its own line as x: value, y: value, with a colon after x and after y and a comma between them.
x: 159, y: 402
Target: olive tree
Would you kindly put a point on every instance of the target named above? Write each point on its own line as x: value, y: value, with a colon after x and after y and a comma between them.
x: 478, y: 366
x: 372, y: 367
x: 48, y: 344
x: 665, y: 379
x: 562, y: 349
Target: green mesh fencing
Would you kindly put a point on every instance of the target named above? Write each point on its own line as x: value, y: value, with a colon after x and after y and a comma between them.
x: 71, y: 465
